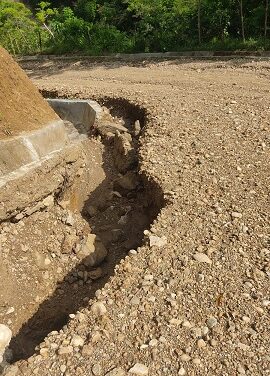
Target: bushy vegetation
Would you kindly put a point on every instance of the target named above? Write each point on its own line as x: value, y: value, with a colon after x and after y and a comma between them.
x: 108, y: 26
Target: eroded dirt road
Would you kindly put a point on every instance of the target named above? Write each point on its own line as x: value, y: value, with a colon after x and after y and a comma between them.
x: 199, y: 304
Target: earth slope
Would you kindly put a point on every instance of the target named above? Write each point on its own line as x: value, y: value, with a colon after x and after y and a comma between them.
x: 22, y: 109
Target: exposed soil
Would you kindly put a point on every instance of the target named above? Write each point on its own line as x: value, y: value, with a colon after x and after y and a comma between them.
x: 22, y: 109
x: 194, y: 298
x: 45, y: 281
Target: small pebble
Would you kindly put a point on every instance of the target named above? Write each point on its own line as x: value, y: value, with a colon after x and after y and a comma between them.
x: 153, y: 342
x: 97, y: 370
x: 185, y: 358
x: 64, y: 350
x: 196, y: 361
x: 241, y: 370
x: 63, y: 368
x: 211, y: 322
x: 77, y: 341
x: 202, y: 257
x: 205, y: 330
x: 201, y: 343
x: 182, y: 371
x: 236, y: 215
x: 98, y: 309
x: 139, y: 369
x: 135, y: 300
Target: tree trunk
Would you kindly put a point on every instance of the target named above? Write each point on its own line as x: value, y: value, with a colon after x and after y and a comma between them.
x: 199, y: 22
x: 266, y: 19
x: 242, y: 20
x: 48, y: 29
x: 40, y: 40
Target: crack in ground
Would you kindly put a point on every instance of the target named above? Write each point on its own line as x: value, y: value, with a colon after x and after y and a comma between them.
x: 136, y: 208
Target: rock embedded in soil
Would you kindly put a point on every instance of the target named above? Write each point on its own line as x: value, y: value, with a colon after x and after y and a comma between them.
x: 69, y: 219
x: 126, y: 183
x: 156, y: 241
x: 95, y: 274
x: 139, y: 369
x: 202, y: 257
x: 105, y: 129
x: 97, y: 370
x: 98, y: 309
x: 136, y: 128
x: 92, y: 251
x: 124, y: 153
x: 211, y: 322
x: 65, y: 350
x: 182, y: 371
x: 77, y: 341
x: 5, y: 337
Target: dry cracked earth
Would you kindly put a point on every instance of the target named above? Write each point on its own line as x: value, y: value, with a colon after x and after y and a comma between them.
x: 193, y: 298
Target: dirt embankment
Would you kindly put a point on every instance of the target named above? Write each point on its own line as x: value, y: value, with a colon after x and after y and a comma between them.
x: 22, y: 108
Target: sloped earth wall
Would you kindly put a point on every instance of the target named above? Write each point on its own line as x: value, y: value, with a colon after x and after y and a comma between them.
x: 22, y: 108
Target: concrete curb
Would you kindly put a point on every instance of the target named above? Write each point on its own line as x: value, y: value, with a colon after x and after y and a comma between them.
x: 21, y: 153
x: 29, y: 148
x: 43, y: 155
x: 82, y: 113
x: 142, y: 56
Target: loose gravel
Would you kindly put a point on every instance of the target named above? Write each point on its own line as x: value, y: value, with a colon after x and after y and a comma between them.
x: 197, y: 301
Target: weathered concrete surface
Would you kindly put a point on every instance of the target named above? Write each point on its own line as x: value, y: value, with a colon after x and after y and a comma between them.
x: 49, y: 156
x: 49, y: 139
x: 30, y: 147
x: 82, y: 113
x: 33, y: 183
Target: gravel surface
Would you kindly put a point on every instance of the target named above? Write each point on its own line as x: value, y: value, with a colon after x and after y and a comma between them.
x: 194, y: 300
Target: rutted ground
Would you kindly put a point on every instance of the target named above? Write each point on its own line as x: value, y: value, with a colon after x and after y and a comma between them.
x: 197, y: 302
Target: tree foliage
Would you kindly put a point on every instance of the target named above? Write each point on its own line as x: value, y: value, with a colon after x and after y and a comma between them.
x: 18, y: 32
x: 106, y: 26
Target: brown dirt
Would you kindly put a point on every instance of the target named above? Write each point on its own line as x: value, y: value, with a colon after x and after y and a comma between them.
x: 206, y: 145
x: 22, y: 109
x: 34, y: 306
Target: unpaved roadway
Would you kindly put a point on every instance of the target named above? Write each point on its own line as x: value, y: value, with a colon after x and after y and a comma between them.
x: 197, y: 303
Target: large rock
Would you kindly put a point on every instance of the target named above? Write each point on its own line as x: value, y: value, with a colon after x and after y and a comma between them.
x: 110, y: 128
x: 92, y: 251
x: 5, y: 337
x: 124, y: 153
x: 127, y: 182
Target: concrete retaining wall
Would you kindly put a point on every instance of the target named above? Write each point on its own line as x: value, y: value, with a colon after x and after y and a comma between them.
x: 82, y: 113
x: 41, y: 161
x: 24, y: 150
